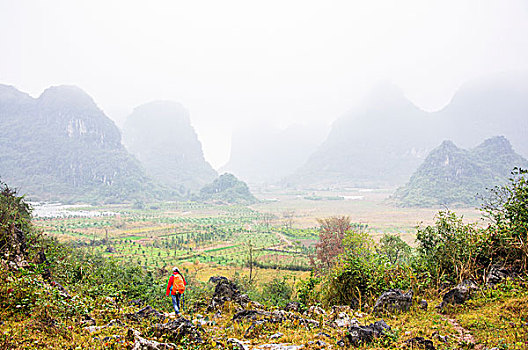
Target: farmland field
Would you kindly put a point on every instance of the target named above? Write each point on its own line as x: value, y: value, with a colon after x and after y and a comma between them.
x: 279, y: 232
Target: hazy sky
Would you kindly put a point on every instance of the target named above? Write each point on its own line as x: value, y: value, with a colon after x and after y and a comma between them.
x: 231, y: 62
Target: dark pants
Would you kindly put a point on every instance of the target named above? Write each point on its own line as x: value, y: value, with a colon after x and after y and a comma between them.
x: 176, y: 302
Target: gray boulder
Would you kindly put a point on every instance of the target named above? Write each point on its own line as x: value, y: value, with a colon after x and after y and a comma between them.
x: 458, y: 295
x: 358, y: 335
x: 293, y: 306
x: 227, y: 290
x: 497, y: 274
x: 393, y: 300
x: 178, y: 329
x: 420, y: 343
x: 148, y: 312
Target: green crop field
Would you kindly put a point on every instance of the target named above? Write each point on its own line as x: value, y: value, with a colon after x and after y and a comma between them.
x: 280, y: 234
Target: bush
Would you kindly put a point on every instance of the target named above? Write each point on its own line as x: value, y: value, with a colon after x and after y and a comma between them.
x: 15, y: 222
x: 277, y: 292
x: 448, y: 249
x: 362, y: 274
x: 394, y: 249
x: 507, y: 208
x: 308, y: 291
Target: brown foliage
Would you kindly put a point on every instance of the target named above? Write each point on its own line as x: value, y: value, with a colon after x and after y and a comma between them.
x: 331, y: 233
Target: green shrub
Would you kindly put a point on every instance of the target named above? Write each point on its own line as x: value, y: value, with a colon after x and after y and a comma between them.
x: 277, y: 292
x: 395, y: 250
x: 308, y: 291
x: 362, y: 274
x: 507, y: 234
x: 15, y: 222
x: 448, y: 250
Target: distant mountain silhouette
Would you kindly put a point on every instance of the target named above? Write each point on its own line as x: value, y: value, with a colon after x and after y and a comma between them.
x: 451, y: 175
x: 61, y: 146
x: 161, y: 136
x: 384, y: 140
x: 263, y: 154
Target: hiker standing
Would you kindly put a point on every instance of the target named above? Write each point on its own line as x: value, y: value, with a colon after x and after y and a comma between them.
x: 176, y: 288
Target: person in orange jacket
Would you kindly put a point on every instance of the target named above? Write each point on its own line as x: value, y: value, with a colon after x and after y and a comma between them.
x: 176, y: 289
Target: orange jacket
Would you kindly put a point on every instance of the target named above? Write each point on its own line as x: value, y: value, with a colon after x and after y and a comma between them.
x: 176, y: 284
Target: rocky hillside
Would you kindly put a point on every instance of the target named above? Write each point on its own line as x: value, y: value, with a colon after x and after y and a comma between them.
x: 61, y: 146
x: 384, y: 140
x: 161, y: 136
x: 451, y: 175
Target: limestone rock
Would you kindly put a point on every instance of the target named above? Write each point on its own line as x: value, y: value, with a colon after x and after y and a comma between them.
x: 458, y: 295
x: 364, y: 334
x: 420, y: 343
x: 393, y: 300
x: 147, y: 312
x: 178, y: 329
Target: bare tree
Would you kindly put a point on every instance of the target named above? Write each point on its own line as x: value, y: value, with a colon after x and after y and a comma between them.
x: 267, y: 219
x: 288, y: 216
x: 251, y: 261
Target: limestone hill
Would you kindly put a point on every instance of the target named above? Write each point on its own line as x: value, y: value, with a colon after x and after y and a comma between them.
x: 383, y: 141
x: 227, y: 189
x: 62, y: 147
x: 161, y: 136
x: 451, y: 175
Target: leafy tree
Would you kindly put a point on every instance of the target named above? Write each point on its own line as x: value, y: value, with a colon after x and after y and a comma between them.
x: 394, y: 249
x: 15, y: 221
x: 507, y: 208
x: 448, y: 249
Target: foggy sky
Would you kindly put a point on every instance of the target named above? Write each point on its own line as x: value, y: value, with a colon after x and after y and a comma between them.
x: 232, y: 62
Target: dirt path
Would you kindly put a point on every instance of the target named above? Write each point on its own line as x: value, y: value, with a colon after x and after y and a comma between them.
x: 464, y: 336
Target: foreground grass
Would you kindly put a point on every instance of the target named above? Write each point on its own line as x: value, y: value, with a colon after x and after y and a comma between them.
x: 493, y: 318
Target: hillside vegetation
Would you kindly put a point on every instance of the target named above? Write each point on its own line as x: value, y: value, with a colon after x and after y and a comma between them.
x: 451, y: 175
x: 62, y: 147
x: 57, y: 296
x: 228, y: 189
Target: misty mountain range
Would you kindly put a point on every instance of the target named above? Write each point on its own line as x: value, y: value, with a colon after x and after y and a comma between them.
x: 263, y: 154
x: 384, y: 140
x: 61, y: 145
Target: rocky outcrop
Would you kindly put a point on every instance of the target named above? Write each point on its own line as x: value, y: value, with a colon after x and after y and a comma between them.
x: 148, y: 312
x: 497, y: 274
x: 141, y: 343
x: 178, y: 329
x: 340, y: 317
x: 293, y: 306
x: 420, y: 343
x: 358, y: 335
x: 227, y: 290
x: 458, y: 295
x: 393, y: 300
